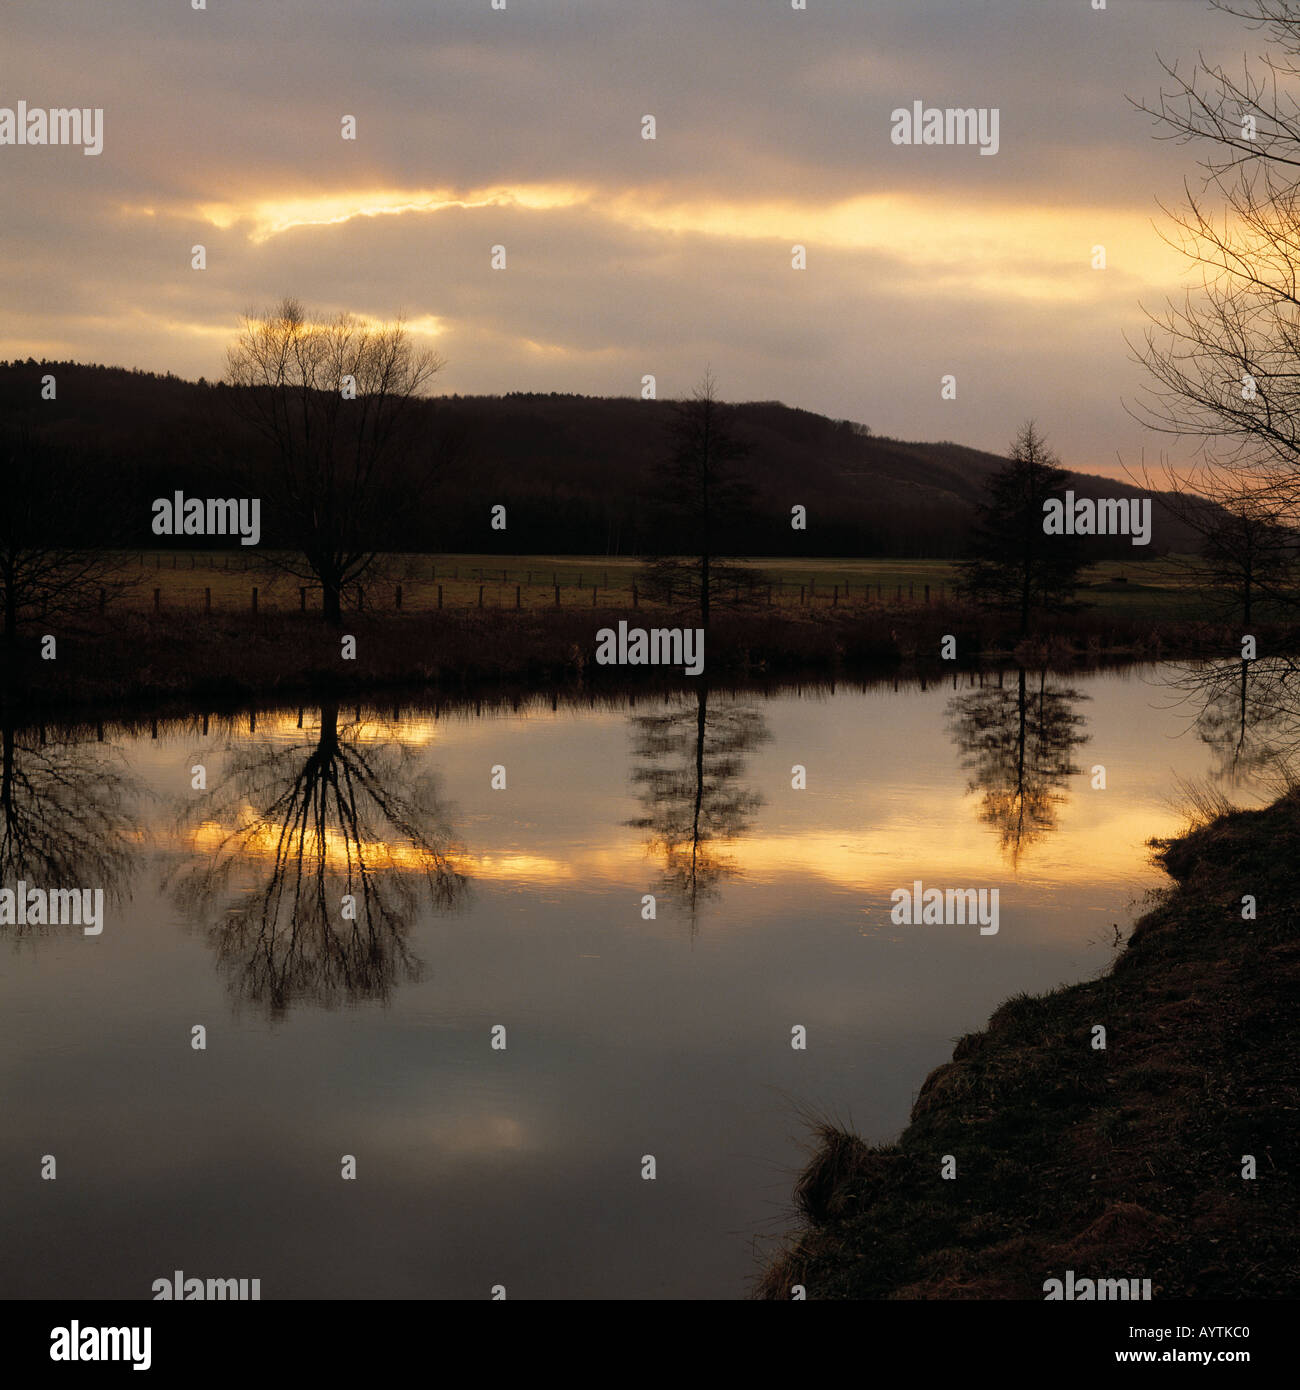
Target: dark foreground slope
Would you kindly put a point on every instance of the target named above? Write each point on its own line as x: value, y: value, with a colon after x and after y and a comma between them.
x: 1121, y: 1163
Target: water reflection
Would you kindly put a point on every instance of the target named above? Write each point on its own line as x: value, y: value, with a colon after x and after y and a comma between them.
x: 687, y: 766
x: 1248, y: 714
x: 65, y: 813
x: 1017, y: 741
x: 514, y: 1166
x: 314, y: 857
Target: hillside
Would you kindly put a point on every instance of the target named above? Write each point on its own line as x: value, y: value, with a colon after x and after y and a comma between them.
x: 575, y: 472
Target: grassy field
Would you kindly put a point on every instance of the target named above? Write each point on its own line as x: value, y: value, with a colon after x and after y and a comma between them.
x: 172, y: 581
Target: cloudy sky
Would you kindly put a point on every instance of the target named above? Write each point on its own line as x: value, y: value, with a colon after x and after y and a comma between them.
x: 522, y: 127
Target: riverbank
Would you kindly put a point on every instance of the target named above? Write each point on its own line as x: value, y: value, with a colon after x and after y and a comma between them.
x: 1118, y: 1163
x: 140, y: 657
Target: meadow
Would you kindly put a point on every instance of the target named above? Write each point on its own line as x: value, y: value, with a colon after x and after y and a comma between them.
x: 188, y: 580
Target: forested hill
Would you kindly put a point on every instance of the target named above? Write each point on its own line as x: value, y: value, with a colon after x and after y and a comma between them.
x: 576, y: 473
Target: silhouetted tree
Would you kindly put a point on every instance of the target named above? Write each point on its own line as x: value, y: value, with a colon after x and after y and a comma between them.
x: 1248, y: 554
x: 293, y: 375
x: 699, y: 489
x: 1225, y: 361
x: 1012, y: 565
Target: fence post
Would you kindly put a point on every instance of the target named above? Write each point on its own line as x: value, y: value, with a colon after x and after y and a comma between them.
x: 399, y: 596
x: 835, y: 597
x: 157, y: 600
x: 254, y: 598
x: 557, y: 595
x: 634, y: 594
x: 518, y: 604
x: 480, y: 596
x: 801, y: 589
x: 927, y: 593
x: 439, y: 595
x: 593, y: 596
x: 207, y: 600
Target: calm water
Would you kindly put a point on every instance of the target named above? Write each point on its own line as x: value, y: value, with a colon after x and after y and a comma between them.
x: 522, y: 907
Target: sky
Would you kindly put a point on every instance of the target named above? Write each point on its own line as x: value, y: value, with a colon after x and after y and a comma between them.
x: 625, y: 257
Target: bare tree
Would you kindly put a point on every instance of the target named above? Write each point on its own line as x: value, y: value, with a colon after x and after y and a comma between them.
x: 335, y: 399
x: 1245, y: 549
x: 1249, y: 554
x: 1225, y: 361
x: 699, y: 487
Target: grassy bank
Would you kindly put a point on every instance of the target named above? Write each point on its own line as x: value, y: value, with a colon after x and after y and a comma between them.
x: 139, y: 656
x: 1122, y: 1163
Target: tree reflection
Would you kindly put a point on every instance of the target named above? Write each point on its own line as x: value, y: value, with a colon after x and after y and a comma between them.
x: 317, y: 854
x: 1248, y: 714
x: 64, y: 815
x: 1017, y: 742
x: 688, y: 761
